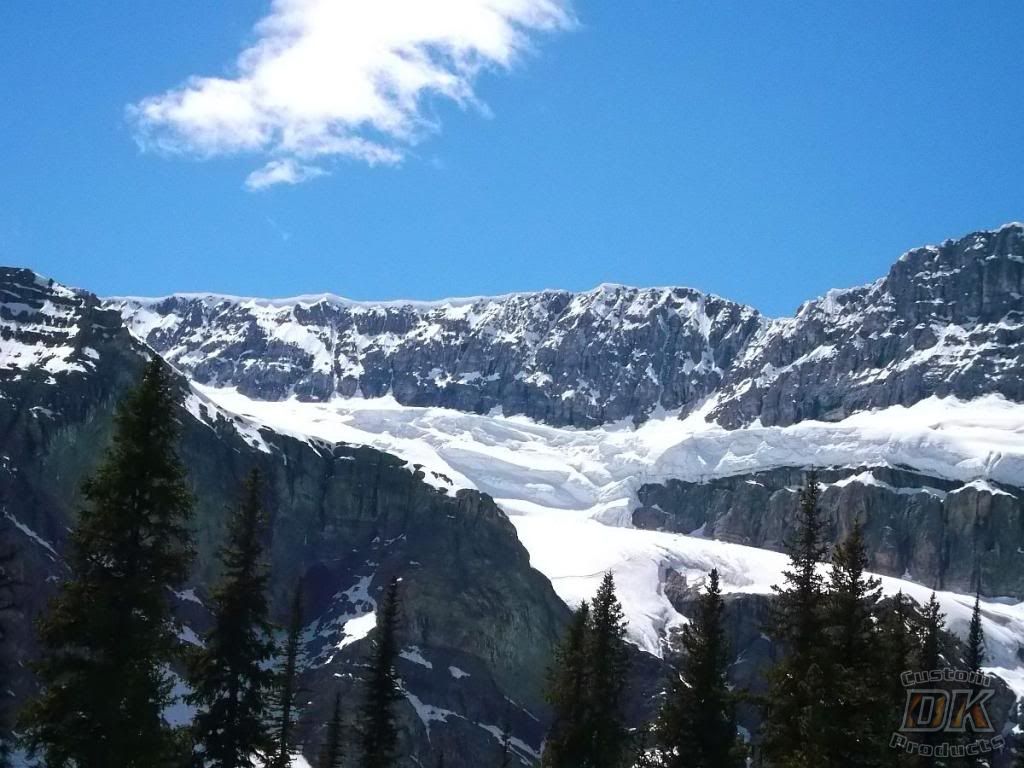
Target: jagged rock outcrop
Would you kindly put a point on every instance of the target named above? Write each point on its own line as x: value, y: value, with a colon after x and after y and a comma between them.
x: 479, y: 621
x: 946, y: 320
x: 944, y: 534
x: 567, y: 359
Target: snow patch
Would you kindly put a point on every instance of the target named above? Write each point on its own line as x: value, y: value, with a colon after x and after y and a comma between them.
x: 357, y: 628
x: 414, y: 655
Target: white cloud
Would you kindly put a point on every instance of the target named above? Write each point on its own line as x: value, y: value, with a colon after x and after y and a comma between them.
x: 342, y: 78
x: 286, y: 171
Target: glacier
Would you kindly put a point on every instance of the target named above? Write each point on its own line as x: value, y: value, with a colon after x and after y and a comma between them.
x: 570, y: 492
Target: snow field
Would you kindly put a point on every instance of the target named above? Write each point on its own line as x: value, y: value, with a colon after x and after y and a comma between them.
x: 570, y: 493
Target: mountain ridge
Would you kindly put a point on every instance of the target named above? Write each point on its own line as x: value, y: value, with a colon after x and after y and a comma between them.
x: 617, y: 352
x: 345, y: 509
x: 330, y: 296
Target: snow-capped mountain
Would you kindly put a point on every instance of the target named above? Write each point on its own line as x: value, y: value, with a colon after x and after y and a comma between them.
x: 47, y: 328
x: 947, y: 319
x: 394, y: 432
x: 345, y: 520
x: 579, y: 359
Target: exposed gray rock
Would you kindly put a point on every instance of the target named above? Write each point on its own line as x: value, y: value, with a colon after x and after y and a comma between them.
x: 946, y: 320
x: 477, y: 622
x: 568, y: 359
x: 344, y: 520
x: 940, y: 533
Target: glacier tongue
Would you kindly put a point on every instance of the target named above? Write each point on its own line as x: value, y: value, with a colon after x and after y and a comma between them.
x: 570, y: 492
x: 594, y: 470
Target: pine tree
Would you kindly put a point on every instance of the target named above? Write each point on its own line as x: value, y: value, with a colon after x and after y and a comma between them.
x: 288, y: 685
x: 973, y: 659
x: 379, y: 734
x: 898, y: 651
x: 567, y: 741
x: 606, y: 678
x: 697, y: 725
x: 8, y: 583
x: 855, y: 733
x: 109, y: 636
x: 794, y: 717
x: 975, y: 656
x: 229, y: 675
x: 897, y: 643
x: 330, y: 754
x: 933, y: 622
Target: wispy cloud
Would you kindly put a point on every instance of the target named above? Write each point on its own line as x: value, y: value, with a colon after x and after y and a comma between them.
x: 342, y: 78
x: 286, y: 171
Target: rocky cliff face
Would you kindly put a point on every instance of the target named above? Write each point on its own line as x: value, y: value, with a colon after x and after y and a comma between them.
x: 568, y: 359
x: 946, y: 320
x: 478, y: 622
x: 947, y: 535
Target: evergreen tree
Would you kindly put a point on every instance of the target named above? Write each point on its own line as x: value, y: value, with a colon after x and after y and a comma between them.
x: 606, y: 679
x: 567, y: 741
x: 109, y: 636
x: 898, y: 646
x: 794, y: 715
x: 330, y: 754
x: 933, y: 622
x: 856, y: 729
x: 7, y: 603
x: 230, y: 676
x: 288, y: 685
x: 975, y: 656
x: 697, y: 725
x: 379, y: 734
x: 898, y: 651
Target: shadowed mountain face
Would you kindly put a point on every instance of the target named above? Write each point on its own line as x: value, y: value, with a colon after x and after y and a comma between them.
x: 945, y: 320
x: 477, y: 622
x: 946, y: 535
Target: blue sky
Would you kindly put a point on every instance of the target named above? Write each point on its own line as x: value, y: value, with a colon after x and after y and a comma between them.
x: 762, y: 151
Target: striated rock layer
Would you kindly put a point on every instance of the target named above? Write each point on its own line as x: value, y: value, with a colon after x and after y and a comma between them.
x: 944, y: 534
x: 947, y: 319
